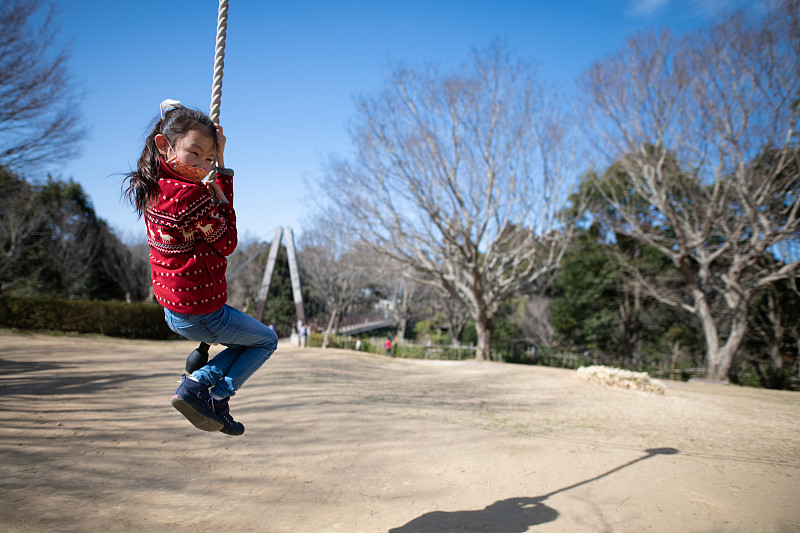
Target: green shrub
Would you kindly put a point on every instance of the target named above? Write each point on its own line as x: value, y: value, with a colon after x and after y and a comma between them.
x: 314, y: 340
x: 338, y: 341
x: 116, y: 319
x: 771, y: 378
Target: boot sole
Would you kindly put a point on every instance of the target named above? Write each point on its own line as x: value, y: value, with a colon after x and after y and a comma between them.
x: 232, y: 433
x: 198, y: 420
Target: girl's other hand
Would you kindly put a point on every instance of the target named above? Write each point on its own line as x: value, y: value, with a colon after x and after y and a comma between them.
x: 215, y: 192
x: 220, y: 146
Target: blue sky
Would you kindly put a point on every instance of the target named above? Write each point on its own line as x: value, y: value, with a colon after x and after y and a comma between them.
x: 292, y: 70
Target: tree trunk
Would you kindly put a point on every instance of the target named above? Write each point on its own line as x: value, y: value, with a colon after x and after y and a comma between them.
x: 457, y: 325
x: 483, y: 326
x: 720, y: 358
x: 720, y: 363
x: 401, y: 328
x: 402, y: 315
x: 331, y: 322
x: 337, y: 321
x: 676, y: 354
x: 776, y: 342
x: 776, y: 356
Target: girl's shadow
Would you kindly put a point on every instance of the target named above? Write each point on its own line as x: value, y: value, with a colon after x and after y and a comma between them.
x: 514, y: 515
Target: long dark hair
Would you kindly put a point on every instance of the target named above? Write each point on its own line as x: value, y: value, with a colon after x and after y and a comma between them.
x: 140, y: 186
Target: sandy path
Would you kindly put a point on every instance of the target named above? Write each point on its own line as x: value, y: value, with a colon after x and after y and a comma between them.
x: 343, y: 442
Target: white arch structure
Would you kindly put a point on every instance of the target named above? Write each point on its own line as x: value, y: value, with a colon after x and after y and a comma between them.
x: 281, y: 233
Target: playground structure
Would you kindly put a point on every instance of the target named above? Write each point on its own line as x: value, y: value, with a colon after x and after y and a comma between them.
x: 285, y: 235
x: 280, y: 234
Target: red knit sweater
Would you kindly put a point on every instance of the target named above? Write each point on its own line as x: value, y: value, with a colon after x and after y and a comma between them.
x: 189, y: 239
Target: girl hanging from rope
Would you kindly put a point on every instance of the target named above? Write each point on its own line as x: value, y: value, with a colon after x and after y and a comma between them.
x: 191, y: 228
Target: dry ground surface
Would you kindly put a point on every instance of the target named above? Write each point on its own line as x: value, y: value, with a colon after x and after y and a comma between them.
x: 339, y: 441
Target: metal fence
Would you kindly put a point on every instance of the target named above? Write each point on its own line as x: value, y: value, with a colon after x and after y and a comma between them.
x: 407, y: 349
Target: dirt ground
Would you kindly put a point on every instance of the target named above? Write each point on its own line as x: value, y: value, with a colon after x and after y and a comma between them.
x: 339, y: 441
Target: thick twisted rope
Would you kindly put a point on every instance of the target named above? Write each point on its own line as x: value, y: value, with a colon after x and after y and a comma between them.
x: 219, y: 60
x: 219, y: 64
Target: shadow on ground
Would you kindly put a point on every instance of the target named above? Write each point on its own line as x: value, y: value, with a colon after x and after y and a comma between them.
x: 513, y: 515
x: 48, y: 379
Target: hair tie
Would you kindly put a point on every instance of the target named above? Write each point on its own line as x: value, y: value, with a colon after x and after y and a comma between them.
x: 168, y: 105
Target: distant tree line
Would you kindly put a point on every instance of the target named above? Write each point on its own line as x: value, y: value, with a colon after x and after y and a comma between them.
x: 685, y: 244
x: 53, y: 244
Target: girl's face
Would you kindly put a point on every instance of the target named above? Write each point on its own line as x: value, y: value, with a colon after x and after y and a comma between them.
x: 195, y: 149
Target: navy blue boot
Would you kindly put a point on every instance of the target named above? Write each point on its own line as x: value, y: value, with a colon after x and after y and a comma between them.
x: 230, y: 426
x: 198, y: 358
x: 192, y: 400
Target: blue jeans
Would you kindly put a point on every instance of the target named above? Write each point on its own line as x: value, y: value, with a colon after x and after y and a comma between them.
x: 249, y: 344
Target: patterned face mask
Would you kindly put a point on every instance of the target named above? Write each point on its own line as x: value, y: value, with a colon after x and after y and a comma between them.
x: 186, y: 171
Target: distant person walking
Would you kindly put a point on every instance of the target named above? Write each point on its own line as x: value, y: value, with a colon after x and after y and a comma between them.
x: 388, y: 346
x: 303, y: 335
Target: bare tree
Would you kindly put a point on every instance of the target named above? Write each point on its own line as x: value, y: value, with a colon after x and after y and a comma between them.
x: 245, y: 272
x: 458, y: 176
x: 413, y: 298
x: 703, y: 133
x: 333, y: 268
x: 73, y: 246
x: 127, y: 265
x: 533, y: 320
x: 455, y: 313
x: 21, y: 217
x: 39, y: 118
x: 411, y: 294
